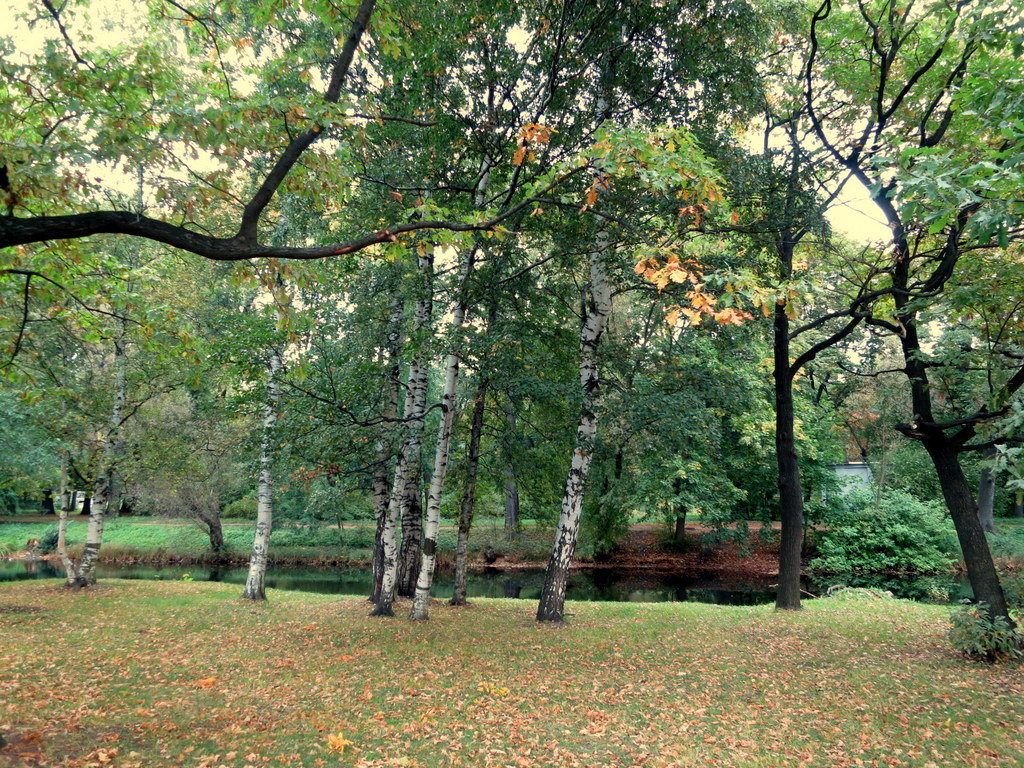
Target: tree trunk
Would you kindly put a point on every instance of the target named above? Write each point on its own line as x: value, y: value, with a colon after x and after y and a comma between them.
x: 255, y: 583
x: 680, y: 531
x: 412, y: 531
x: 215, y: 531
x: 428, y: 561
x: 469, y: 495
x: 86, y: 505
x: 46, y: 507
x: 791, y: 499
x: 385, y: 446
x: 981, y: 570
x: 598, y: 305
x: 987, y: 493
x: 407, y: 467
x: 1018, y: 504
x: 67, y: 497
x: 511, y: 484
x: 85, y: 576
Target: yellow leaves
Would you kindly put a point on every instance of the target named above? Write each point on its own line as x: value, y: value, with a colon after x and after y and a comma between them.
x: 731, y: 316
x: 492, y: 690
x: 336, y: 742
x: 519, y: 156
x: 206, y: 682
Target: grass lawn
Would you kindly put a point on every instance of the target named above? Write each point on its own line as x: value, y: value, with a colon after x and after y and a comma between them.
x: 141, y: 674
x: 159, y: 540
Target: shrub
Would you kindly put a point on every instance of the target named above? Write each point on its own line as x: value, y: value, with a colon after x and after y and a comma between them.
x: 48, y: 540
x: 901, y: 534
x: 978, y: 636
x: 243, y: 508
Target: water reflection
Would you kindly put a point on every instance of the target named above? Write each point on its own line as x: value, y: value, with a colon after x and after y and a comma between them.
x: 601, y: 584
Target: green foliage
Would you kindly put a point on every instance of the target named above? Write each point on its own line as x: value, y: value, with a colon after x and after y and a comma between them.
x: 978, y: 636
x: 48, y: 541
x: 240, y: 509
x: 901, y: 534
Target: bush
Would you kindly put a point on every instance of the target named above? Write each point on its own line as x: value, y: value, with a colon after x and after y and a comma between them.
x: 48, y: 540
x: 243, y: 509
x: 901, y: 534
x: 978, y: 636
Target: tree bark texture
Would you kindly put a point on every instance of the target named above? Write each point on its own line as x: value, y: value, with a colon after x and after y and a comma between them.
x: 255, y: 583
x: 385, y: 445
x: 432, y: 524
x: 85, y: 575
x: 791, y: 499
x: 409, y: 457
x: 987, y: 493
x: 598, y: 305
x: 469, y: 495
x: 66, y: 502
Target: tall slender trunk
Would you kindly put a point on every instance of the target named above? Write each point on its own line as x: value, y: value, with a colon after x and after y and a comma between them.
x: 409, y: 458
x: 66, y: 502
x: 511, y: 482
x: 255, y: 583
x: 469, y: 494
x: 421, y: 600
x: 791, y: 499
x: 981, y: 570
x: 385, y: 445
x: 987, y: 492
x: 85, y: 576
x: 598, y: 305
x: 412, y: 529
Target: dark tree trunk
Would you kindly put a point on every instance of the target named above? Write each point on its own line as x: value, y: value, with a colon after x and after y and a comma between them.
x: 981, y: 571
x: 412, y: 539
x: 215, y: 531
x: 511, y: 484
x: 791, y: 499
x: 87, y: 506
x: 47, y: 507
x: 469, y: 495
x: 680, y: 530
x: 987, y: 493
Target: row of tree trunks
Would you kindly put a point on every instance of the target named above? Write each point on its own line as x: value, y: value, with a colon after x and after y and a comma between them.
x: 255, y: 583
x: 385, y: 445
x: 406, y: 469
x: 85, y: 575
x: 432, y: 524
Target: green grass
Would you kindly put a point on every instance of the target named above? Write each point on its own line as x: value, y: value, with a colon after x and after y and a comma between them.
x: 185, y: 674
x: 158, y: 540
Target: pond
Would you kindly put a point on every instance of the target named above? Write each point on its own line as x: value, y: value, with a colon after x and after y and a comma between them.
x: 597, y: 584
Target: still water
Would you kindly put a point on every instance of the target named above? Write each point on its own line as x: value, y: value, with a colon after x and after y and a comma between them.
x: 587, y: 584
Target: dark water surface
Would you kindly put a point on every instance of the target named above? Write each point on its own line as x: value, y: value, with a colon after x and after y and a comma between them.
x: 596, y: 584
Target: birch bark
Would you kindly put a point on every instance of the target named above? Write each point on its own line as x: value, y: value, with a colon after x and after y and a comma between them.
x: 598, y: 307
x: 421, y: 600
x: 67, y: 498
x: 408, y: 459
x: 255, y: 583
x: 85, y: 576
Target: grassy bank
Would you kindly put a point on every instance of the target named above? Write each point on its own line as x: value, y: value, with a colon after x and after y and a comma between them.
x: 185, y: 674
x: 147, y: 540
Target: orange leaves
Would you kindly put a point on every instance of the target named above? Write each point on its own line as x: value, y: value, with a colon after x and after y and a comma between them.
x: 206, y: 682
x: 531, y: 134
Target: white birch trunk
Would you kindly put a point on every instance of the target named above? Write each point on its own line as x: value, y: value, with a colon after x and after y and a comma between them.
x: 85, y: 576
x: 428, y: 561
x: 385, y: 446
x: 67, y: 498
x: 598, y: 307
x: 408, y: 459
x: 255, y: 583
